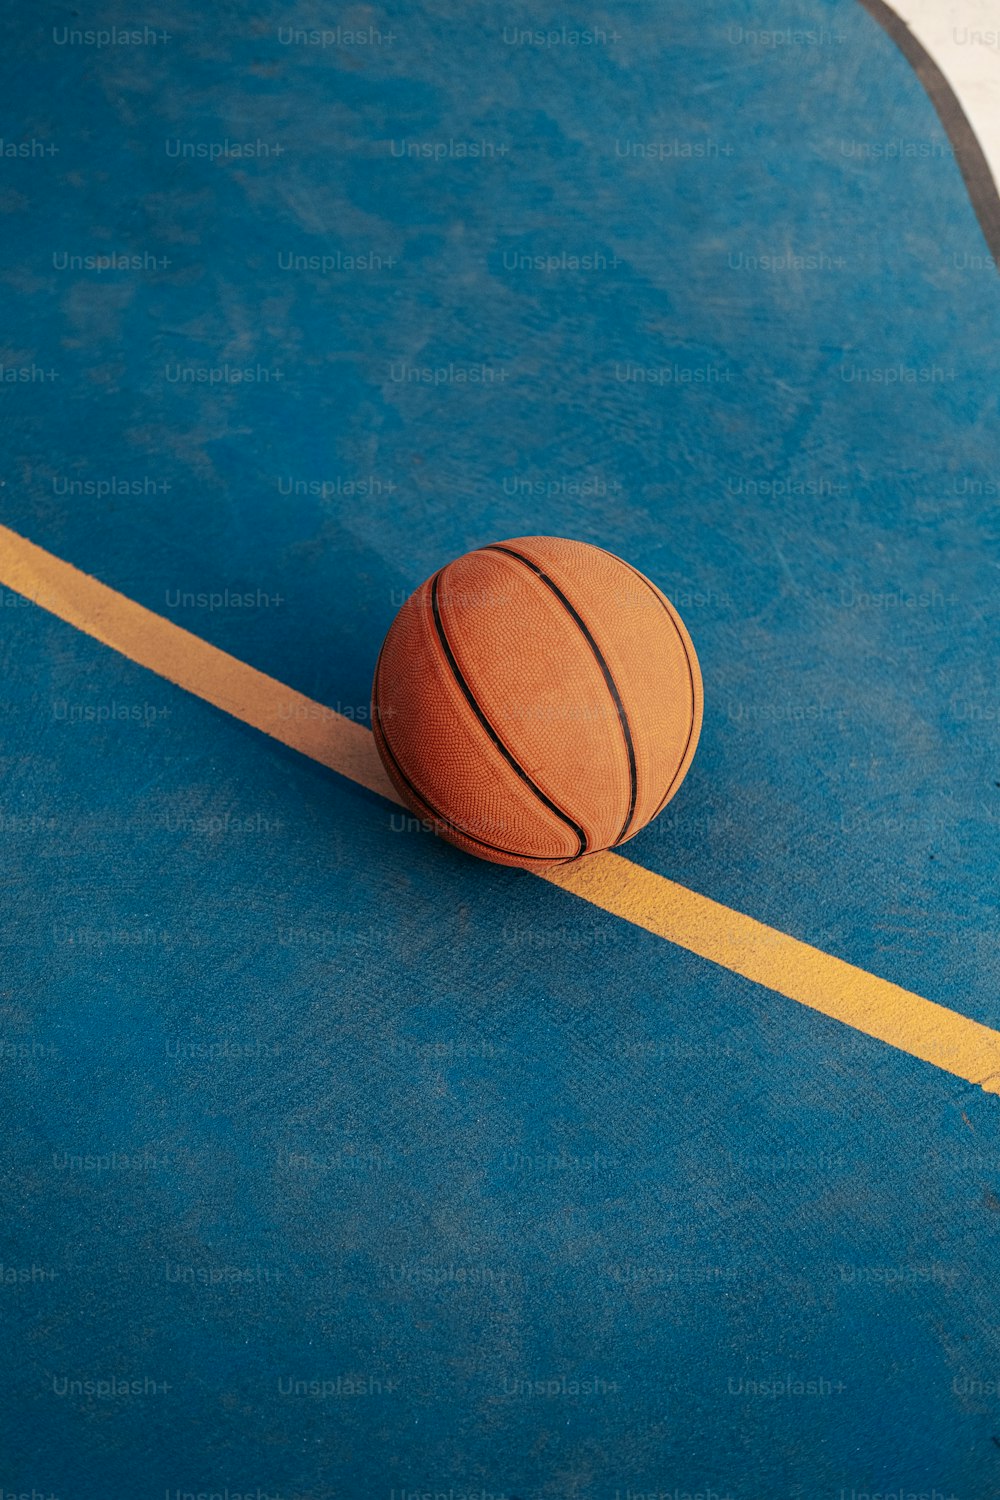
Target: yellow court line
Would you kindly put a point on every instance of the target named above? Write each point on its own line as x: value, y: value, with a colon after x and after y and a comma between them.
x: 837, y: 989
x: 191, y: 663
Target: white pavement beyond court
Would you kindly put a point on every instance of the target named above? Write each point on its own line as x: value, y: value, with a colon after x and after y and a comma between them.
x: 963, y: 38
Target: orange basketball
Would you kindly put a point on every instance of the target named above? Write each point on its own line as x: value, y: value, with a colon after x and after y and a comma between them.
x: 537, y: 700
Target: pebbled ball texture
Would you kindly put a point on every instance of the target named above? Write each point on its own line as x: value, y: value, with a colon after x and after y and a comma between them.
x: 537, y: 700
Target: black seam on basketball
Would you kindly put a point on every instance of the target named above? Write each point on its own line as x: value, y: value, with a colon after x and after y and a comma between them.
x: 456, y: 828
x: 507, y: 754
x: 687, y: 661
x: 605, y: 671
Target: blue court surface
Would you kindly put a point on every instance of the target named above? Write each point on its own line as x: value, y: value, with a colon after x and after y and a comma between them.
x: 338, y: 1163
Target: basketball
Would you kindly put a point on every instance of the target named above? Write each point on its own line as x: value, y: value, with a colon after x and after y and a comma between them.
x: 536, y: 701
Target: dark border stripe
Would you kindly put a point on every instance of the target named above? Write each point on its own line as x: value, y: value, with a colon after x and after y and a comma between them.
x: 456, y: 828
x: 605, y: 669
x: 497, y: 741
x: 687, y: 659
x: 969, y: 154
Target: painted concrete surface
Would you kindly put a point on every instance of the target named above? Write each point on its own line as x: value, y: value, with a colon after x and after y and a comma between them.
x: 544, y: 1206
